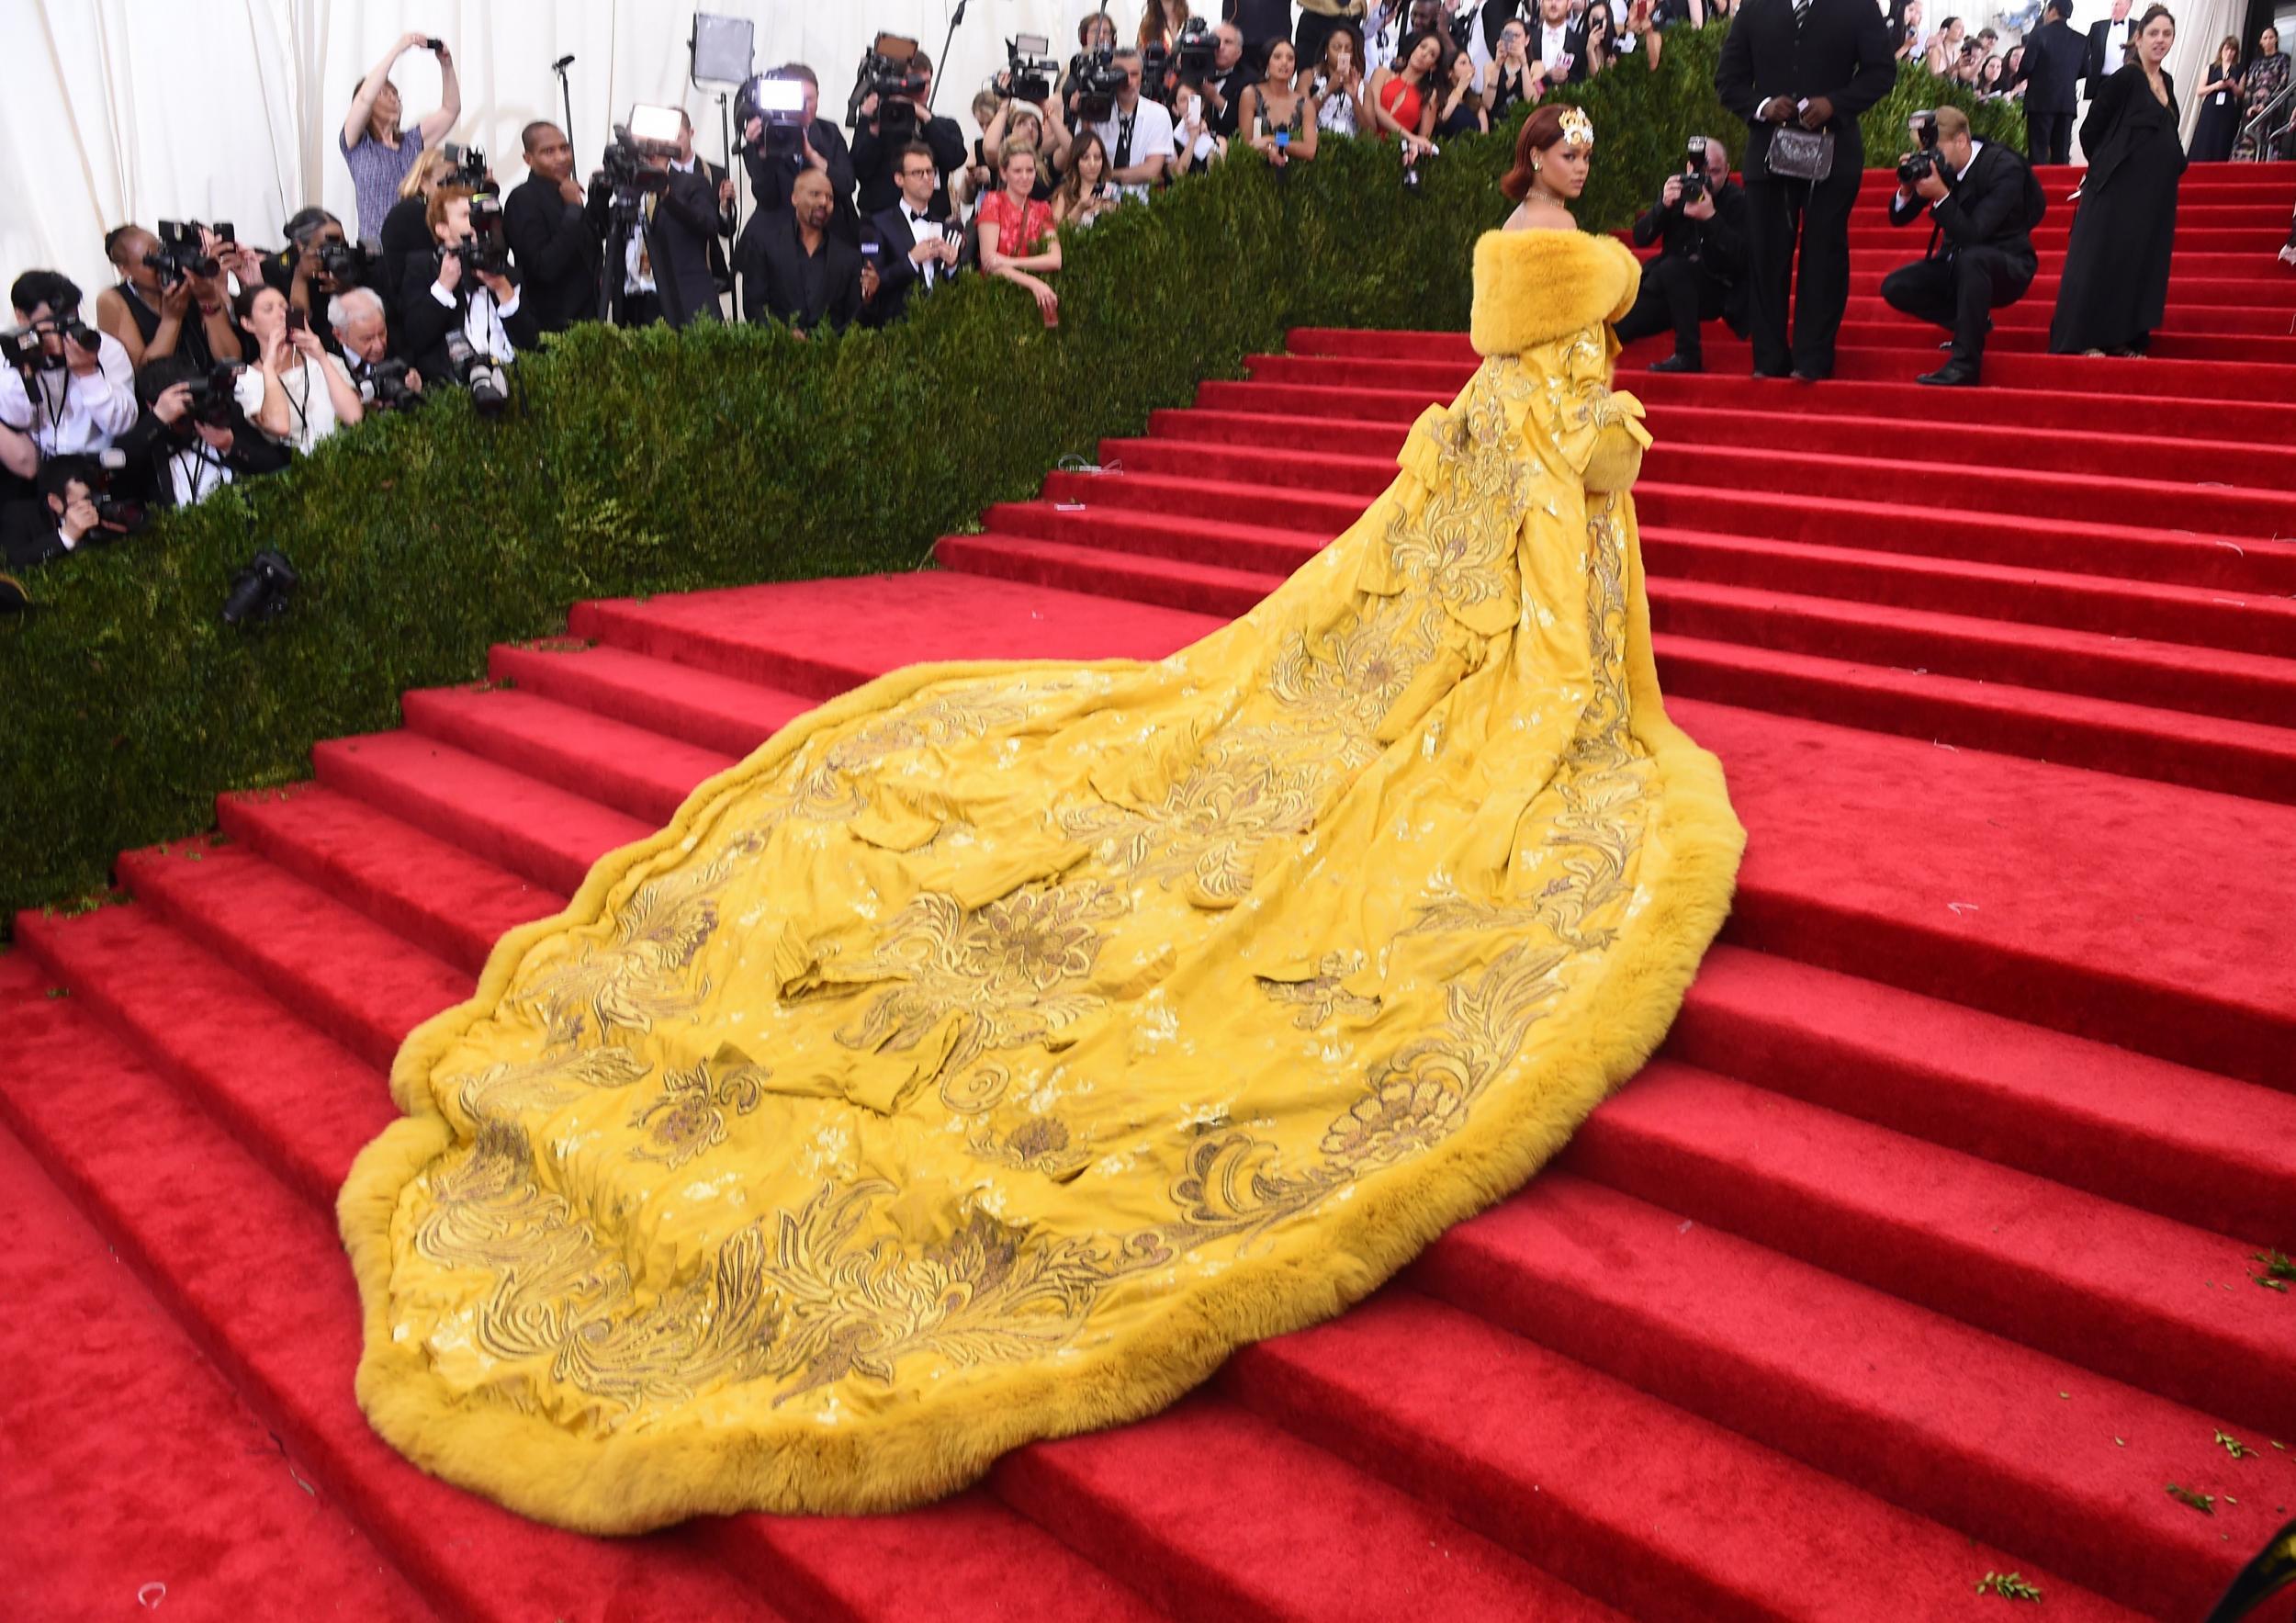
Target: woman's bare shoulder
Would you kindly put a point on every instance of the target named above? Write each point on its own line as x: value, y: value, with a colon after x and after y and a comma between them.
x: 1527, y: 218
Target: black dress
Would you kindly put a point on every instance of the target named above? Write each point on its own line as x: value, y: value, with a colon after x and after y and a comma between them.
x: 2213, y: 132
x: 2116, y: 270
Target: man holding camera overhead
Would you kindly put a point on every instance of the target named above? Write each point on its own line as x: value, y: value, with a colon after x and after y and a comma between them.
x: 1700, y: 273
x: 888, y: 124
x: 774, y: 163
x: 671, y: 266
x: 1983, y: 202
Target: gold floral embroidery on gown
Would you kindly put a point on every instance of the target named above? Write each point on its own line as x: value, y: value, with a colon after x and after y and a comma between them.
x: 1001, y: 1044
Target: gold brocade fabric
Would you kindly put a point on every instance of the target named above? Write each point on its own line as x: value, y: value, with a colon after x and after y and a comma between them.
x: 1001, y: 1046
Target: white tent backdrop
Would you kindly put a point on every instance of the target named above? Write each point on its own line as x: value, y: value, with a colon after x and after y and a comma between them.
x: 140, y: 110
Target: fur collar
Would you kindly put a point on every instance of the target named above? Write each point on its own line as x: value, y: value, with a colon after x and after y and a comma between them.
x: 1532, y: 288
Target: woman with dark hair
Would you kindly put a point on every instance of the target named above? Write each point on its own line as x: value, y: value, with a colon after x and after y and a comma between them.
x: 1034, y: 1034
x: 1403, y: 100
x: 2013, y: 73
x: 1459, y: 107
x: 2266, y: 78
x: 1280, y: 122
x: 1087, y: 192
x: 1336, y: 85
x: 2115, y: 282
x: 2219, y: 96
x: 1988, y: 84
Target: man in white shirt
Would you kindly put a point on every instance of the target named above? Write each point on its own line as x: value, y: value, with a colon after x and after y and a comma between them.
x: 79, y: 393
x: 916, y: 251
x: 490, y: 316
x: 1138, y: 134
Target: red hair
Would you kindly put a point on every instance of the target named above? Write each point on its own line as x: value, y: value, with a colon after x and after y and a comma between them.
x: 1542, y: 130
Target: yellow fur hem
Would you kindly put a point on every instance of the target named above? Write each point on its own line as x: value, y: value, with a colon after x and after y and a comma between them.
x: 1532, y: 288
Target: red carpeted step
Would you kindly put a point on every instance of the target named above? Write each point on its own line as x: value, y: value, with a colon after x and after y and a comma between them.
x: 194, y: 1018
x: 257, y: 1279
x: 635, y: 771
x: 2256, y: 688
x: 2217, y: 1152
x: 1945, y: 1420
x: 1998, y: 1249
x: 1256, y: 548
x: 1689, y: 1521
x: 1872, y: 331
x: 435, y: 894
x: 2034, y: 316
x: 544, y: 833
x: 1201, y: 589
x: 1212, y: 1513
x: 676, y: 701
x: 136, y: 1479
x: 2132, y: 912
x: 818, y: 637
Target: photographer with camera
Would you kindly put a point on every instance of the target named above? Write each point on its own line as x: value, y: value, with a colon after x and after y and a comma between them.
x: 917, y: 241
x: 197, y: 435
x: 66, y: 386
x: 362, y: 329
x: 889, y: 124
x: 376, y: 150
x: 557, y: 231
x: 1017, y: 120
x: 1513, y: 77
x: 72, y: 506
x: 1983, y: 201
x: 670, y: 269
x: 1225, y: 81
x: 468, y: 321
x: 318, y: 263
x: 1137, y: 133
x: 159, y: 307
x: 1699, y: 274
x: 795, y: 269
x: 306, y: 391
x: 818, y: 144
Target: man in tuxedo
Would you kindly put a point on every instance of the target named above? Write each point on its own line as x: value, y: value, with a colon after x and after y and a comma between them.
x: 1558, y: 41
x: 673, y: 254
x: 556, y: 233
x: 1700, y: 273
x: 1817, y: 63
x: 821, y: 145
x: 2055, y: 58
x: 1983, y: 202
x: 2109, y: 44
x: 793, y: 268
x: 917, y: 252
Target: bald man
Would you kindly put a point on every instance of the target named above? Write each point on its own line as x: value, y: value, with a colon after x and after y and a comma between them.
x: 793, y: 268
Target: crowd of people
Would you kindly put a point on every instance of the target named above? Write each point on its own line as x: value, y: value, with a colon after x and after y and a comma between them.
x: 210, y: 360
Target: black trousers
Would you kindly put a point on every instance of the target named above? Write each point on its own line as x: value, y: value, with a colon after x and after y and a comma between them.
x: 2048, y: 137
x: 1781, y: 214
x: 1315, y: 28
x: 1960, y: 293
x: 1676, y: 294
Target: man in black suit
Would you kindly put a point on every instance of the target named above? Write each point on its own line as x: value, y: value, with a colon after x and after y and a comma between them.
x: 1983, y: 202
x: 821, y: 145
x: 2109, y: 44
x: 556, y: 233
x: 1819, y: 63
x: 2054, y: 59
x: 677, y: 248
x: 1558, y: 41
x: 793, y: 268
x: 916, y: 246
x: 883, y: 132
x: 1700, y: 273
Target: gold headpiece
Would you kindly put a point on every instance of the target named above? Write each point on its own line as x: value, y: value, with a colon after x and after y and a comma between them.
x: 1578, y: 130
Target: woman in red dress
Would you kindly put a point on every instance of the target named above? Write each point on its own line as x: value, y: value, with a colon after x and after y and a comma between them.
x: 1017, y: 239
x: 1403, y: 100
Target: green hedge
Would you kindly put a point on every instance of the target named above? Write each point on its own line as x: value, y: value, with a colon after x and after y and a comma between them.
x: 649, y: 462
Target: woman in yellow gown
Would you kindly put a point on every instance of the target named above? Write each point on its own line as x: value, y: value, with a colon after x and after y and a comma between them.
x: 1003, y: 1044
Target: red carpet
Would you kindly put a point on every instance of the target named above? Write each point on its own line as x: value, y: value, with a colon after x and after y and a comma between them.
x: 1922, y: 1251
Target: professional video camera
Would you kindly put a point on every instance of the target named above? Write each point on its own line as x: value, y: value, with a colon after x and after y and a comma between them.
x: 1923, y: 160
x: 22, y: 348
x: 1096, y: 80
x: 1196, y: 50
x: 780, y: 102
x: 385, y: 387
x: 1028, y: 70
x: 469, y: 168
x: 1694, y: 170
x: 181, y: 253
x: 485, y: 248
x: 488, y: 384
x: 214, y: 395
x: 1155, y: 73
x: 889, y: 72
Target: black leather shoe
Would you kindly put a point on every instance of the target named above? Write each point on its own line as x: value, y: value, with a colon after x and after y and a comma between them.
x: 1769, y: 376
x: 1679, y: 362
x: 1801, y: 377
x: 1952, y: 375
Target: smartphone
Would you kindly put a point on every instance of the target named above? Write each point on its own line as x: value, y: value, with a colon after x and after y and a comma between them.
x: 297, y: 321
x: 434, y: 44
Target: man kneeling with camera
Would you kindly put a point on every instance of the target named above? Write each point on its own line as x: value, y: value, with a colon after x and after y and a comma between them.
x: 1983, y: 202
x: 1700, y: 274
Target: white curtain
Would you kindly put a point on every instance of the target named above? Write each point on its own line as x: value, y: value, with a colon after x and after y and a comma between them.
x: 122, y: 111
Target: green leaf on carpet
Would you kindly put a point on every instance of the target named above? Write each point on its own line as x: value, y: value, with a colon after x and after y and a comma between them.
x: 2278, y: 1269
x: 2203, y: 1502
x: 2008, y: 1586
x: 2233, y: 1445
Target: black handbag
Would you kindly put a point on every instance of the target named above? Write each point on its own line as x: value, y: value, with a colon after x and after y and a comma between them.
x: 1800, y: 154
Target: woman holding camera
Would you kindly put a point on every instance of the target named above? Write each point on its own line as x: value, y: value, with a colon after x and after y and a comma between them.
x: 378, y: 152
x: 306, y: 392
x: 2115, y: 282
x: 1336, y: 86
x: 1513, y: 77
x: 1280, y: 122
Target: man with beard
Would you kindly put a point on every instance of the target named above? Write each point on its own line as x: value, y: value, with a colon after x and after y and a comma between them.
x: 793, y: 268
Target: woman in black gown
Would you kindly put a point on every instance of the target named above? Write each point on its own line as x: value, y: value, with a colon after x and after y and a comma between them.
x: 2221, y: 103
x: 2116, y: 270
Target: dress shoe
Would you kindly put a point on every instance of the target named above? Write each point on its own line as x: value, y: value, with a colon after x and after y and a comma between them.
x: 1952, y: 375
x: 1679, y: 362
x: 1769, y: 376
x: 1801, y: 377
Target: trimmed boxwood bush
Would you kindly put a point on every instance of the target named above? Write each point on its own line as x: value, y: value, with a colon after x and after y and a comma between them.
x: 651, y: 462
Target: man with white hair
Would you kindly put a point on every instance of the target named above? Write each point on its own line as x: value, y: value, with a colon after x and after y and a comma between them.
x: 363, y: 329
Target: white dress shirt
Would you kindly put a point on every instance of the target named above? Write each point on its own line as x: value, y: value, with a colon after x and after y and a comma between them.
x: 638, y: 269
x: 67, y: 414
x: 482, y: 320
x: 923, y: 227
